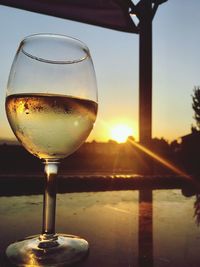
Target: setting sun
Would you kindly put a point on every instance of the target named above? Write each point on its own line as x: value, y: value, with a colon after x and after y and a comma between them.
x: 120, y: 132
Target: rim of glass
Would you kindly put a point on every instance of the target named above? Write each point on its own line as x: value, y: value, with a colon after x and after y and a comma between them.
x: 55, y: 35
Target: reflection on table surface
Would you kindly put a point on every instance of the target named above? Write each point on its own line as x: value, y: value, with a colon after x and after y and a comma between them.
x: 127, y: 228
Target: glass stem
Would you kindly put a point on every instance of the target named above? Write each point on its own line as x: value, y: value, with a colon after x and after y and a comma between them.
x: 49, y: 204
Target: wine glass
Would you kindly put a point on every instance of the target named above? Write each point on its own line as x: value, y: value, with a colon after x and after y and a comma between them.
x: 51, y: 105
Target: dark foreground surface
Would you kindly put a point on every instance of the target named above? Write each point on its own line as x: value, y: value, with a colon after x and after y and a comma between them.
x: 129, y: 221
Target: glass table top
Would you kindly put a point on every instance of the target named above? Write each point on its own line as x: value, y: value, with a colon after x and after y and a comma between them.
x: 127, y: 228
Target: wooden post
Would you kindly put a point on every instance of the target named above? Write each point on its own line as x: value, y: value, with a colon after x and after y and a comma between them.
x: 145, y: 73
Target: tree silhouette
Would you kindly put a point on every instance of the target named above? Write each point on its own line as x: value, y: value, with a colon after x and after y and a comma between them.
x: 197, y: 209
x: 196, y: 105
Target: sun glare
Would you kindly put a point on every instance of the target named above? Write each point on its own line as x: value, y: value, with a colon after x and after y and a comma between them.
x: 120, y: 133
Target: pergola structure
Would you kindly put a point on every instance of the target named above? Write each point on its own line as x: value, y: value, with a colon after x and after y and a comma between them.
x: 117, y: 15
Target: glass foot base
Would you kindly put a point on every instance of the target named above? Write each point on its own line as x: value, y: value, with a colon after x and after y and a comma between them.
x: 65, y: 251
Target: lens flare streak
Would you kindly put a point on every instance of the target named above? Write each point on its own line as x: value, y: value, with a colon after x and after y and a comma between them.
x: 163, y: 161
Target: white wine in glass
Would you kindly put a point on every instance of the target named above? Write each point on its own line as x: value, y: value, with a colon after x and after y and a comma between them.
x: 50, y: 126
x: 51, y: 105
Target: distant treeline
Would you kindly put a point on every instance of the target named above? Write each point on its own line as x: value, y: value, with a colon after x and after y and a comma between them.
x: 113, y: 157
